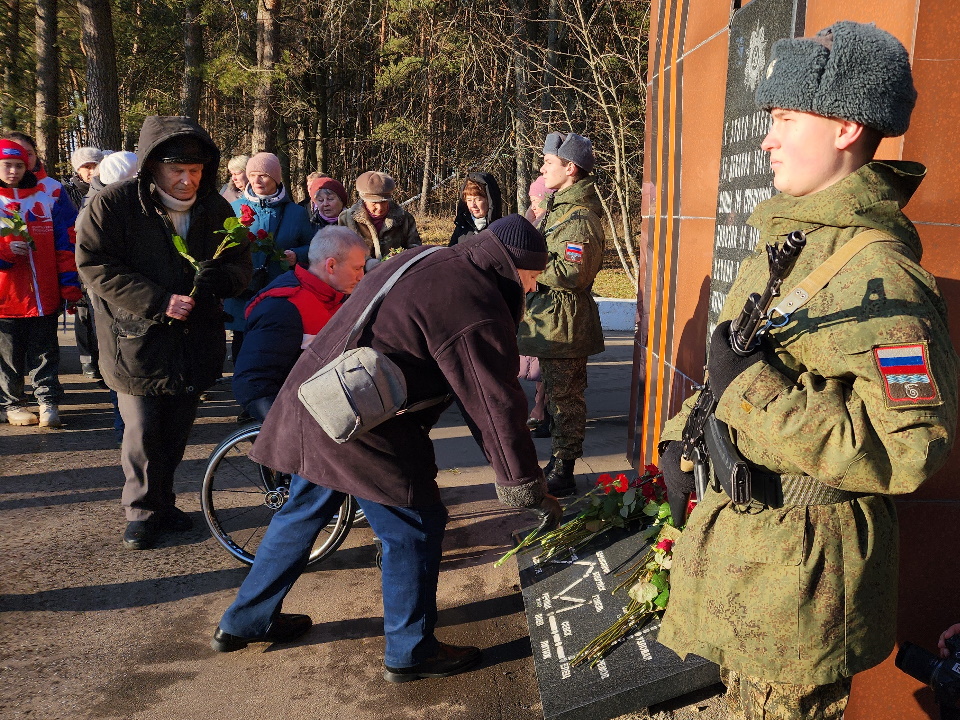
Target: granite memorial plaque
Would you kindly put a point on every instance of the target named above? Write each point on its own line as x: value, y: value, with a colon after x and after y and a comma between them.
x: 745, y: 175
x: 568, y: 603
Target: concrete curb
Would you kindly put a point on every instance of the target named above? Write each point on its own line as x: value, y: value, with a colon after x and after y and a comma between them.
x: 617, y: 314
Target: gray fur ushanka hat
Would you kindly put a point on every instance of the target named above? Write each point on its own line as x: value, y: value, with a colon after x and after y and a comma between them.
x: 850, y: 70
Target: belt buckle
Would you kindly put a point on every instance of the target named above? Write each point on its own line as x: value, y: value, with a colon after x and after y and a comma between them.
x: 741, y: 486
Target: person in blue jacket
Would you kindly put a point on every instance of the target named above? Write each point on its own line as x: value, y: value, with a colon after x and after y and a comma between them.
x: 275, y: 213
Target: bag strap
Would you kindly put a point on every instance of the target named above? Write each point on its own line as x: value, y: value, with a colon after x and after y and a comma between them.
x: 378, y: 298
x: 818, y: 279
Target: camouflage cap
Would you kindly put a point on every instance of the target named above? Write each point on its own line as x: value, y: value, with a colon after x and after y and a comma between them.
x: 849, y: 70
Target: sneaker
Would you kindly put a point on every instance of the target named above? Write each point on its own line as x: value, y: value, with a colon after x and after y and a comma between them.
x: 49, y: 416
x: 19, y: 415
x: 449, y: 660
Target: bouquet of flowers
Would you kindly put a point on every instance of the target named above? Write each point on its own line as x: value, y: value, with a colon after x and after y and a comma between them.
x: 648, y: 583
x: 613, y: 503
x: 17, y: 226
x: 235, y: 232
x: 263, y: 241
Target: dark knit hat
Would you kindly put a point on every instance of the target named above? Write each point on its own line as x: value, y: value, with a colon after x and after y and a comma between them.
x: 183, y: 149
x: 850, y: 70
x: 522, y: 240
x: 375, y: 186
x: 570, y: 146
x: 328, y: 183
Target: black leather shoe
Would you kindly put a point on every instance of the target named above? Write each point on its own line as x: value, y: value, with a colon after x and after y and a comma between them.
x: 449, y: 660
x: 139, y: 535
x: 286, y: 628
x: 560, y: 480
x: 174, y: 520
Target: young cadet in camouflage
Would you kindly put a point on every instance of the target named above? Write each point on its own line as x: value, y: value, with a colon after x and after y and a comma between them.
x: 562, y: 322
x: 853, y: 400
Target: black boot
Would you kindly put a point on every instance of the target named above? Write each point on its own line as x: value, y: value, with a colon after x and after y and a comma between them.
x: 559, y: 475
x: 544, y: 428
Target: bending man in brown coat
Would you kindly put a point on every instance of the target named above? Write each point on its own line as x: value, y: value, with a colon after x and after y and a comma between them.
x: 449, y: 323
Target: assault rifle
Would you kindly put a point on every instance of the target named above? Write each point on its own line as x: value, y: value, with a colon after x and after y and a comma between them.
x: 706, y: 437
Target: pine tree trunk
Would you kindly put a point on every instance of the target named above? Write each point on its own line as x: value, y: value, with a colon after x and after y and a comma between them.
x: 11, y: 78
x: 193, y: 61
x: 47, y: 95
x: 103, y: 104
x: 521, y: 104
x: 264, y: 126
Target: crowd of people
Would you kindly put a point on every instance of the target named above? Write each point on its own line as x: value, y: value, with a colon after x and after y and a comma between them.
x: 791, y: 591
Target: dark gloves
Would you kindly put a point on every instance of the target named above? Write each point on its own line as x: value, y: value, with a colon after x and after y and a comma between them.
x: 724, y: 365
x: 679, y: 483
x: 549, y: 512
x: 213, y: 280
x: 258, y: 409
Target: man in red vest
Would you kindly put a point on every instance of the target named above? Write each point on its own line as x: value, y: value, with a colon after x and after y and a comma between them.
x: 284, y: 317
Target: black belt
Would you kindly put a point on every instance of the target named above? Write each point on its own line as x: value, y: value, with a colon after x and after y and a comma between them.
x: 743, y: 484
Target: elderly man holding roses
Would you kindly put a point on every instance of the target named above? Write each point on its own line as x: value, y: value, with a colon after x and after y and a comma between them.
x: 159, y: 316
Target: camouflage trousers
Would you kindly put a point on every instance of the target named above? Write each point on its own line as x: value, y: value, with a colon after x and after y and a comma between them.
x: 565, y: 382
x: 750, y: 698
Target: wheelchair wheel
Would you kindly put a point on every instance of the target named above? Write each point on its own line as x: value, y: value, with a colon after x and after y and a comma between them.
x: 239, y: 497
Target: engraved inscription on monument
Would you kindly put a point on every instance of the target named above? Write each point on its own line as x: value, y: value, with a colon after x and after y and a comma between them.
x: 745, y: 175
x: 570, y: 602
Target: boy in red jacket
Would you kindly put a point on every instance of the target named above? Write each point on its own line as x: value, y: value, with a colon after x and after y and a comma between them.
x: 37, y: 274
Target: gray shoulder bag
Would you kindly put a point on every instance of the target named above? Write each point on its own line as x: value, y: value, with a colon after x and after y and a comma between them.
x: 361, y: 387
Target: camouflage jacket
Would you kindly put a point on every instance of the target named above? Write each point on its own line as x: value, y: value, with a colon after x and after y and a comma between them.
x: 562, y: 319
x: 859, y: 391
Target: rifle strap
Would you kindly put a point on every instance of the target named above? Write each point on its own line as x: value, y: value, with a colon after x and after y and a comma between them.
x: 818, y: 279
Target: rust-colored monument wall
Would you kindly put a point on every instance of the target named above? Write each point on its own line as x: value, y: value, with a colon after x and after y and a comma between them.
x: 685, y: 121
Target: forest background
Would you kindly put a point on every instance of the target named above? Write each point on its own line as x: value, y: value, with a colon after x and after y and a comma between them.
x: 424, y: 90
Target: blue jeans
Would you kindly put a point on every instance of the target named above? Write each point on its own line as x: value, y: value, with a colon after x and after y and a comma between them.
x: 411, y: 537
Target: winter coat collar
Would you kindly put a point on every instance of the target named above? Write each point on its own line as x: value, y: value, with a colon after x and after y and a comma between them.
x: 278, y: 198
x: 582, y: 193
x: 394, y: 216
x: 869, y: 198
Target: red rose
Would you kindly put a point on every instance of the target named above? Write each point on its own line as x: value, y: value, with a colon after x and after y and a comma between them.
x: 648, y: 492
x: 262, y: 234
x: 250, y: 236
x: 247, y: 216
x: 604, y: 479
x: 13, y: 207
x: 651, y: 469
x: 665, y: 545
x: 621, y: 484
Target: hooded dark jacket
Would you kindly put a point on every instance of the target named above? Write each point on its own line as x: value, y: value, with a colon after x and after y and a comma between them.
x: 130, y: 266
x: 450, y: 324
x: 465, y: 224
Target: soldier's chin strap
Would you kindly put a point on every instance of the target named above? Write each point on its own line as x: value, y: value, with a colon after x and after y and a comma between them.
x: 818, y: 279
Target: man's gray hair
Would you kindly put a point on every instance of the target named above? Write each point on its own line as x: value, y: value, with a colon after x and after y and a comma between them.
x: 334, y: 241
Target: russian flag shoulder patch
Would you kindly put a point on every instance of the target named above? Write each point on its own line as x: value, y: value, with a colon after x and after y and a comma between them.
x: 905, y: 371
x: 573, y: 253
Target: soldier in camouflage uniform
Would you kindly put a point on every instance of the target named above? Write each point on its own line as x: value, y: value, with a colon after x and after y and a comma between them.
x: 853, y: 400
x: 562, y: 322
